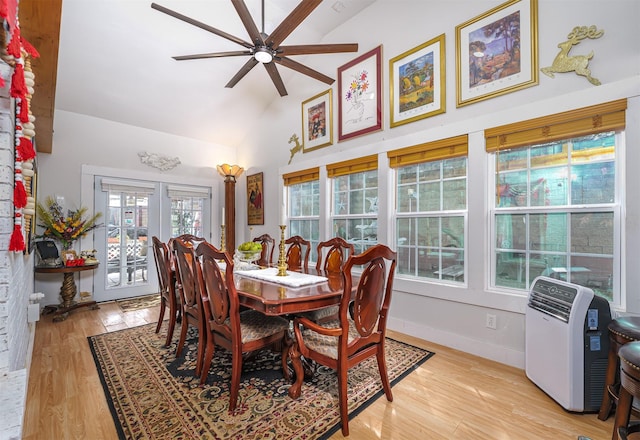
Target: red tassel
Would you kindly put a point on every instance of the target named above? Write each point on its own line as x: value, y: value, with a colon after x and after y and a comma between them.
x: 24, y: 110
x: 2, y: 83
x: 29, y: 48
x: 18, y: 86
x: 25, y: 149
x: 20, y: 195
x: 13, y: 48
x: 17, y: 240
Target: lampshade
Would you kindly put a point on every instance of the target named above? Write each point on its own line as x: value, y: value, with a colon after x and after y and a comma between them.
x: 263, y: 55
x: 226, y: 170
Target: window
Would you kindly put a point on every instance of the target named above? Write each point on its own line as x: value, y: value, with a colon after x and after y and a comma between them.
x: 556, y: 210
x: 354, y: 203
x: 303, y: 196
x: 431, y: 209
x: 187, y: 209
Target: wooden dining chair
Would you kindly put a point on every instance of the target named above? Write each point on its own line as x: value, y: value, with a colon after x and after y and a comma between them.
x: 268, y: 245
x: 332, y: 255
x: 297, y: 255
x: 192, y: 314
x: 166, y: 282
x: 227, y: 327
x: 355, y: 336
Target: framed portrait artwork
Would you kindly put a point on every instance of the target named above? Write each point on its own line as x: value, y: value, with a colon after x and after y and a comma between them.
x: 255, y: 199
x: 317, y: 121
x: 497, y: 52
x: 417, y: 82
x: 360, y: 100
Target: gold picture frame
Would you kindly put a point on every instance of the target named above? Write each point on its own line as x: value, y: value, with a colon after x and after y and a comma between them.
x: 317, y: 121
x: 255, y: 199
x: 417, y: 82
x: 497, y: 52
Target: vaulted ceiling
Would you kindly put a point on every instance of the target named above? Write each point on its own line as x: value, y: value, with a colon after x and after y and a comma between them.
x: 111, y: 59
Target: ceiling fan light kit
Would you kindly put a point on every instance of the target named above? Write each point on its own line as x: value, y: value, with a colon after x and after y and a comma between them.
x: 266, y: 49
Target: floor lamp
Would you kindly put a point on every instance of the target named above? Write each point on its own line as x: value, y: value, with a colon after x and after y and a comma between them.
x: 230, y: 174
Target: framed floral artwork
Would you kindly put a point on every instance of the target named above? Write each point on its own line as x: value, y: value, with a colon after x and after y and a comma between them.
x: 360, y: 100
x: 255, y: 200
x: 497, y: 52
x: 417, y: 82
x: 317, y: 121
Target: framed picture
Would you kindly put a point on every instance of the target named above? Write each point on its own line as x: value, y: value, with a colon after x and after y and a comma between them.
x: 417, y: 82
x: 497, y: 52
x: 360, y: 101
x: 317, y: 121
x: 255, y: 201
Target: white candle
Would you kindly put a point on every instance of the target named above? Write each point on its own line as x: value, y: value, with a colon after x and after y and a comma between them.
x: 283, y: 221
x: 222, y: 217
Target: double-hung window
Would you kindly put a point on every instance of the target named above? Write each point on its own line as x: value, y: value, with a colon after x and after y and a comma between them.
x: 431, y: 208
x: 303, y: 197
x: 556, y: 210
x: 354, y: 202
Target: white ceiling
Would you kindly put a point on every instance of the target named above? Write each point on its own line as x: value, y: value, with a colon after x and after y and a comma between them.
x: 115, y: 63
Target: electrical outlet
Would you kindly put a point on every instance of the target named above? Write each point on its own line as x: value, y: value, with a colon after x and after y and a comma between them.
x: 492, y: 321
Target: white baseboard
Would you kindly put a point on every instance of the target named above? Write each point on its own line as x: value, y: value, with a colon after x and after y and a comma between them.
x: 483, y: 349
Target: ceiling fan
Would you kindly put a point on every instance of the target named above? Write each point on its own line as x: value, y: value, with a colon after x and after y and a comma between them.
x: 266, y: 49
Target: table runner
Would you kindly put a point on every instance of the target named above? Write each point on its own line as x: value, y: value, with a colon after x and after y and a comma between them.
x: 292, y: 279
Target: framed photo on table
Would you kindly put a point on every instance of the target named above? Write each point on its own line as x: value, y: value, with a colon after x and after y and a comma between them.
x: 317, y: 121
x: 497, y: 52
x: 417, y: 82
x: 360, y: 100
x: 255, y: 199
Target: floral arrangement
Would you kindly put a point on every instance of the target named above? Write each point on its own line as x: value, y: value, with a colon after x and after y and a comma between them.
x: 65, y: 229
x: 358, y: 86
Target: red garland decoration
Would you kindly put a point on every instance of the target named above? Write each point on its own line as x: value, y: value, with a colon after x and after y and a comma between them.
x: 23, y: 115
x: 18, y: 86
x: 17, y: 240
x: 20, y: 195
x: 13, y: 48
x: 29, y: 48
x: 25, y: 149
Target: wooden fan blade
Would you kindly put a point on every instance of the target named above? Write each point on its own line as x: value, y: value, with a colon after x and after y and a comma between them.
x: 291, y: 22
x: 294, y: 65
x: 242, y: 72
x: 201, y: 25
x: 306, y: 49
x: 247, y: 21
x: 275, y: 77
x: 235, y: 53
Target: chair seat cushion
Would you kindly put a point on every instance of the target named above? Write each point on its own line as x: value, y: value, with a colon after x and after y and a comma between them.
x: 320, y: 314
x: 327, y: 345
x: 627, y: 327
x: 255, y: 325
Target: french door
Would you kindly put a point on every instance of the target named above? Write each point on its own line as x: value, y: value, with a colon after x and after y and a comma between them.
x: 134, y: 212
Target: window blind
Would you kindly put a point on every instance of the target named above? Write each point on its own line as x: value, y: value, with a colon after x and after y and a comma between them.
x: 178, y: 191
x: 301, y: 176
x: 430, y: 151
x: 359, y: 165
x: 121, y: 185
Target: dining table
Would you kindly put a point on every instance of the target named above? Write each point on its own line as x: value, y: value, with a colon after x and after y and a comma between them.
x: 299, y: 291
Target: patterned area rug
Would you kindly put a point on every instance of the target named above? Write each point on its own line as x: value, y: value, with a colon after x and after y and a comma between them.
x: 153, y: 395
x: 141, y: 302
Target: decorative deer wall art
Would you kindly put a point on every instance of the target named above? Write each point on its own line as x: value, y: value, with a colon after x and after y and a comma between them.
x: 297, y: 147
x: 578, y: 63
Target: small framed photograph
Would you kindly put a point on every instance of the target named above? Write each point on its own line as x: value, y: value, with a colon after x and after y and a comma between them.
x: 360, y: 100
x: 417, y: 82
x: 69, y: 257
x: 497, y: 52
x: 317, y: 121
x: 255, y: 200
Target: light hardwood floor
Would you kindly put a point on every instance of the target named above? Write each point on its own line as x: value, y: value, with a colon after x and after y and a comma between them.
x: 452, y: 396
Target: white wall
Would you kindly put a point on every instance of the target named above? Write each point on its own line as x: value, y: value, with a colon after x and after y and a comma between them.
x: 449, y: 315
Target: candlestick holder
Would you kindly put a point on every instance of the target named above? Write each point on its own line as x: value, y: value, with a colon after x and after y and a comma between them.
x: 282, y: 259
x: 222, y: 239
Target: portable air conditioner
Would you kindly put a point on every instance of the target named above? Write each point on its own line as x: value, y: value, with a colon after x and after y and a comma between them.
x: 567, y: 343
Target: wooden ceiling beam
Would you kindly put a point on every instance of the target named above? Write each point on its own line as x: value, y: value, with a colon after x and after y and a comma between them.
x: 40, y: 26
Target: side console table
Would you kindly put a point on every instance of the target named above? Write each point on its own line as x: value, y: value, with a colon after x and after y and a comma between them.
x: 68, y: 290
